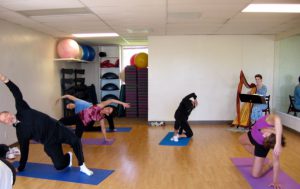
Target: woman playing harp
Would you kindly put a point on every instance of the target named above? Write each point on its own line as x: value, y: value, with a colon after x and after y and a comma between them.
x: 243, y: 118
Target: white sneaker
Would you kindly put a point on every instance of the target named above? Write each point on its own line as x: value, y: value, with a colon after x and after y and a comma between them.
x: 70, y: 154
x: 85, y: 170
x: 174, y: 138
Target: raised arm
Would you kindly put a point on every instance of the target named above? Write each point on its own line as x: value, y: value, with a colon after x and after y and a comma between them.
x: 110, y: 101
x: 192, y: 95
x: 67, y: 96
x: 20, y: 102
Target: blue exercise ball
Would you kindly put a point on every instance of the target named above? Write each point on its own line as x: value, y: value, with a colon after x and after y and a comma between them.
x: 86, y: 52
x: 92, y: 53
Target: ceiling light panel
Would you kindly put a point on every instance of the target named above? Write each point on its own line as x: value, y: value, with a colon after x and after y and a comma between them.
x: 19, y: 5
x: 103, y: 3
x: 273, y: 8
x: 76, y: 18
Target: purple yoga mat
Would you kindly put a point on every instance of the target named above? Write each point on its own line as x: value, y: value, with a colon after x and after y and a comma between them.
x: 244, y: 165
x: 97, y: 141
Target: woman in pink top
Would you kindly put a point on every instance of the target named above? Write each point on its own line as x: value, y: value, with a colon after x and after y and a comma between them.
x: 93, y: 113
x: 264, y: 135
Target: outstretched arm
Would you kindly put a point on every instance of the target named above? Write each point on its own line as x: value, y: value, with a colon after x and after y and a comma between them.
x: 20, y: 103
x: 276, y: 169
x: 278, y: 133
x: 110, y: 101
x: 67, y: 96
x: 103, y: 129
x: 276, y: 151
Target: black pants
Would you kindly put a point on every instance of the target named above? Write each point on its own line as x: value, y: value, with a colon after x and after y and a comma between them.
x: 183, y: 125
x: 74, y: 120
x: 53, y: 147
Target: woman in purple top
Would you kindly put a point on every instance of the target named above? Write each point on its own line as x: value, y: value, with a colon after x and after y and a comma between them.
x: 265, y: 134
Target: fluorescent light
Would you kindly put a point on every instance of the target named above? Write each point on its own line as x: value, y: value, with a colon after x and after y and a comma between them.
x: 95, y: 35
x: 279, y: 8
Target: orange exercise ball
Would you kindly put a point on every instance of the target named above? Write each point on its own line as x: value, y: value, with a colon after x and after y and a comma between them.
x: 141, y: 60
x: 68, y: 48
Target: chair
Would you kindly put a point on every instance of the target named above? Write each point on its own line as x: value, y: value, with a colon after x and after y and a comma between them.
x: 292, y: 106
x: 267, y: 110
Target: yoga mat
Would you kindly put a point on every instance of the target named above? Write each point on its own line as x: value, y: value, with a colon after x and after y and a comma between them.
x: 73, y: 174
x: 120, y: 129
x: 167, y: 141
x: 97, y: 141
x: 244, y: 165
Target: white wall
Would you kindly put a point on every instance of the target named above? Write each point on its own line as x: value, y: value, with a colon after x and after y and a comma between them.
x: 27, y: 59
x: 208, y: 66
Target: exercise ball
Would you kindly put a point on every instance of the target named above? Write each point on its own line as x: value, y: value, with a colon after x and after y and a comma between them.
x: 86, y: 52
x: 109, y: 96
x: 110, y: 87
x: 141, y: 60
x: 132, y: 60
x: 110, y: 75
x: 67, y: 48
x: 80, y: 54
x: 92, y: 53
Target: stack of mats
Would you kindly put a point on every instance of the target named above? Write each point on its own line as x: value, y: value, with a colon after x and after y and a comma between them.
x: 142, y: 92
x: 131, y: 91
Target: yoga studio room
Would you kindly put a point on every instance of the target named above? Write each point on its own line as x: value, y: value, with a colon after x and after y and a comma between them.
x: 150, y: 94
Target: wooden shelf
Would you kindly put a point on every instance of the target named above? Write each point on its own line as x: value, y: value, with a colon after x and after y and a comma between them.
x: 70, y: 60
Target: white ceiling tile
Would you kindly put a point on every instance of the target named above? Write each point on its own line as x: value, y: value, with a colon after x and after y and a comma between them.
x: 18, y: 5
x: 120, y: 16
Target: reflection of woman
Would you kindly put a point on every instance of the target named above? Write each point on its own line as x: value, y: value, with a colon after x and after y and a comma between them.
x: 297, y: 95
x: 258, y: 108
x: 265, y: 134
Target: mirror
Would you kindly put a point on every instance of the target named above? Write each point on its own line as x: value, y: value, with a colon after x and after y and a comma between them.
x: 286, y: 71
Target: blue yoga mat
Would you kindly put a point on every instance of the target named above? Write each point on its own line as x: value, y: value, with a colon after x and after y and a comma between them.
x: 120, y: 129
x: 167, y: 141
x: 73, y: 174
x: 97, y: 141
x: 244, y: 165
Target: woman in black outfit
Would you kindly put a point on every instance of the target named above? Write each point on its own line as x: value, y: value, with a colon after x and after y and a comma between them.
x: 182, y: 113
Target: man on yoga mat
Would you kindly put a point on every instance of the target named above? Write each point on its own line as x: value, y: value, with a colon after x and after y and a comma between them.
x: 32, y: 124
x: 92, y: 113
x: 182, y: 113
x: 78, y: 105
x: 264, y: 135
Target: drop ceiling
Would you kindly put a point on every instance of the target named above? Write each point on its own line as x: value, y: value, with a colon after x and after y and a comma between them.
x: 135, y: 20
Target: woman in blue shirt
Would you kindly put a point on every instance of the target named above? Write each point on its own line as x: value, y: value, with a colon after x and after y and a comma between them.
x: 297, y: 95
x: 257, y: 109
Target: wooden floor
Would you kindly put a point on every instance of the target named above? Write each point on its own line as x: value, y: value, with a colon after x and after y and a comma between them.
x: 140, y: 163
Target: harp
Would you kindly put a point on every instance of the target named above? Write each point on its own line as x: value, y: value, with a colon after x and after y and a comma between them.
x: 243, y: 113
